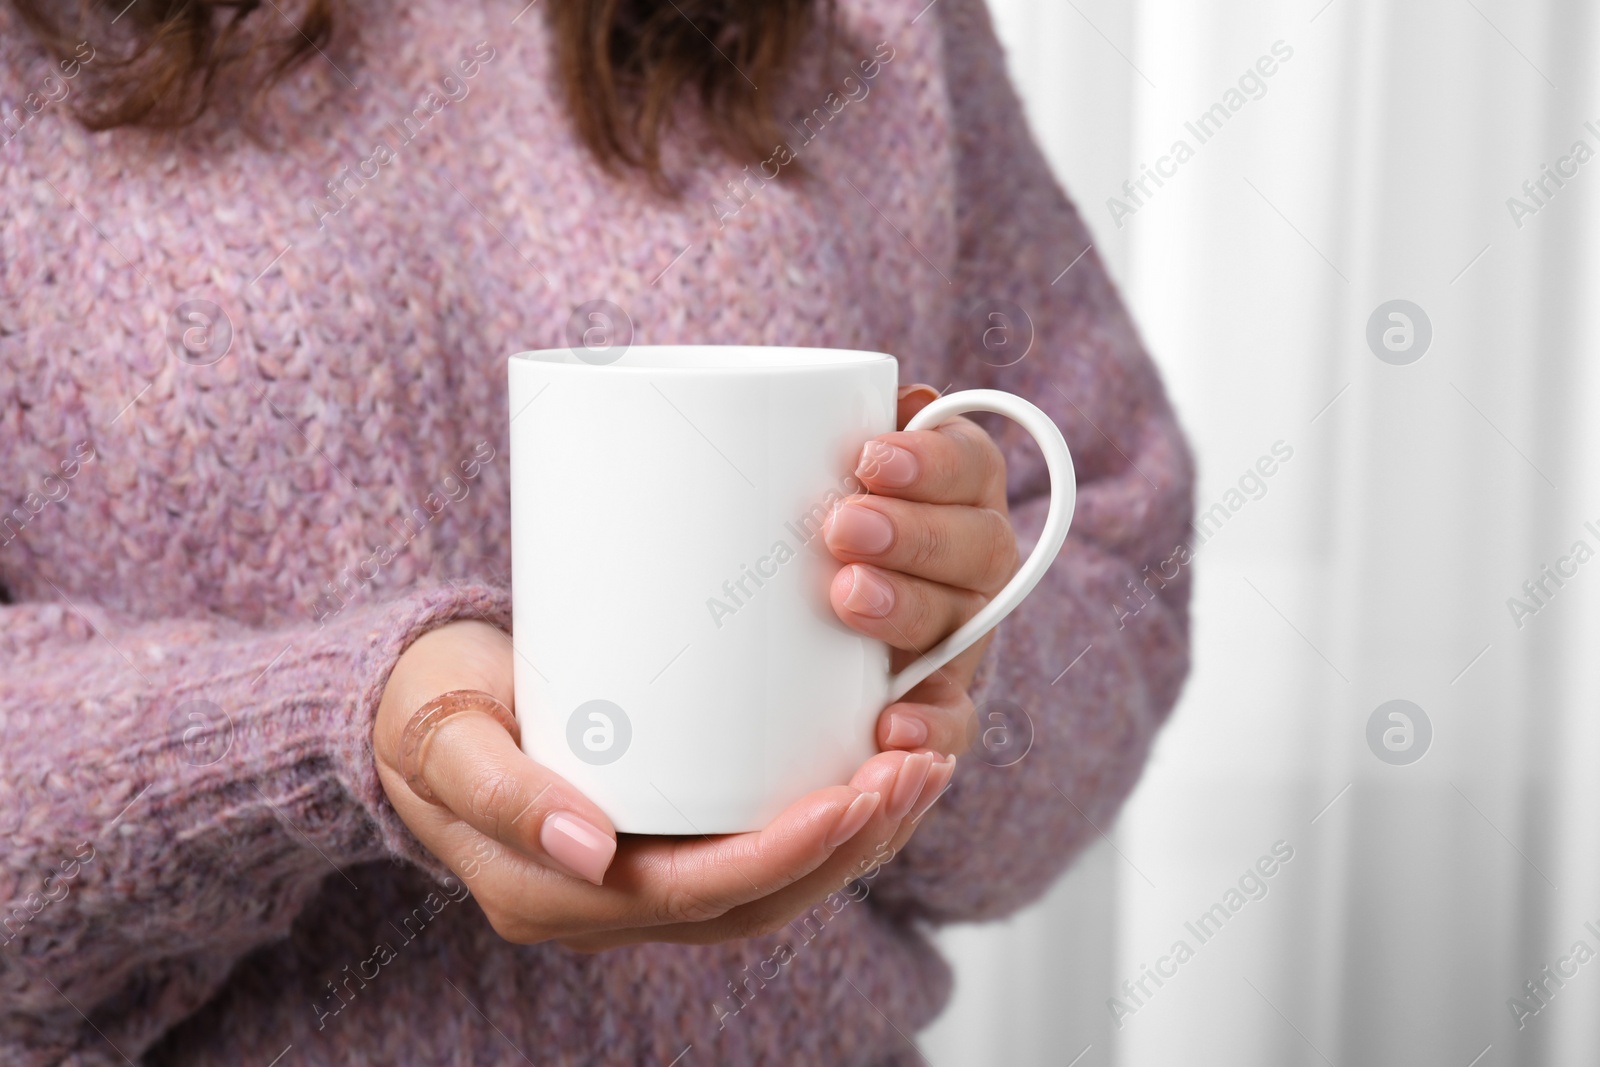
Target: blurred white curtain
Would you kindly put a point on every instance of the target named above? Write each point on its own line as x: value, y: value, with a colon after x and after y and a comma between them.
x: 1376, y: 563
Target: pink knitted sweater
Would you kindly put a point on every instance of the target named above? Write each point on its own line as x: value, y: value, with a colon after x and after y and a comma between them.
x: 252, y: 443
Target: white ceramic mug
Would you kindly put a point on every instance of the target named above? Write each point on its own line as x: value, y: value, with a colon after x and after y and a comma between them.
x: 677, y: 657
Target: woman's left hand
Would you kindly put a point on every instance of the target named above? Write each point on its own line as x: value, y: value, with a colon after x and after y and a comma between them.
x: 930, y: 545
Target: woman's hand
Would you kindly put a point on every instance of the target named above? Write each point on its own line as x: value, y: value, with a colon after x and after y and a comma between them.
x: 545, y: 863
x: 929, y: 546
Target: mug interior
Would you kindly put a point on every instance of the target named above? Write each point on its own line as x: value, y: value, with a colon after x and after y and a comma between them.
x: 707, y: 357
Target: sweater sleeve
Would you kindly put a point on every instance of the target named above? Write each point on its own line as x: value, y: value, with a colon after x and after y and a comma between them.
x: 175, y: 791
x: 1081, y: 676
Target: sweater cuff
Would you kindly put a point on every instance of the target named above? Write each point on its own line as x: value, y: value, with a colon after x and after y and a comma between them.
x: 389, y: 635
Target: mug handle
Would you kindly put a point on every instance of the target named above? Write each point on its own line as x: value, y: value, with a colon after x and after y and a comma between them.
x: 1063, y: 497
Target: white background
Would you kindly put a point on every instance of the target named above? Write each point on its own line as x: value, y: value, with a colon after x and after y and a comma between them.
x: 1378, y: 564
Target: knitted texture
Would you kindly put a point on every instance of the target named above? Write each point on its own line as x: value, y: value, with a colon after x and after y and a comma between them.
x: 252, y: 401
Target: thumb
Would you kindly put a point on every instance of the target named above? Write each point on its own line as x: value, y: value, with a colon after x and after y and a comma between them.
x: 480, y: 776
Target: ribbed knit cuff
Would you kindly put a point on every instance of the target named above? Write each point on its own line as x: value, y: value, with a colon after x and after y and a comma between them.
x: 389, y: 636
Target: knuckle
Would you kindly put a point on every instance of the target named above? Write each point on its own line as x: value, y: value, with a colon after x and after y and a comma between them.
x: 681, y: 905
x: 925, y: 618
x: 930, y: 545
x: 1001, y: 556
x: 982, y: 460
x: 491, y: 798
x: 993, y: 462
x: 679, y: 901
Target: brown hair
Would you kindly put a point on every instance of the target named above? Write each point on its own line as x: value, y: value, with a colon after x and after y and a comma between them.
x: 623, y: 64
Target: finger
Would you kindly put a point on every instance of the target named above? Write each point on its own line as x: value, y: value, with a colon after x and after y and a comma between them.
x: 912, y: 399
x: 913, y: 726
x: 908, y: 613
x: 967, y: 547
x: 656, y: 881
x: 915, y: 783
x: 482, y: 777
x: 859, y: 858
x: 465, y: 654
x: 953, y: 463
x: 695, y: 880
x: 646, y: 888
x: 938, y: 714
x: 938, y: 783
x: 940, y: 779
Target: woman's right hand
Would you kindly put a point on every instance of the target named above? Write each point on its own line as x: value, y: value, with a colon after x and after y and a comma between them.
x: 544, y: 863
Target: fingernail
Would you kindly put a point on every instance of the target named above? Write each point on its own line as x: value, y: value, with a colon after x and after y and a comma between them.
x: 905, y: 731
x: 908, y: 390
x: 860, y: 529
x: 938, y: 778
x: 854, y: 818
x: 870, y: 594
x: 887, y: 464
x: 581, y: 847
x: 908, y: 784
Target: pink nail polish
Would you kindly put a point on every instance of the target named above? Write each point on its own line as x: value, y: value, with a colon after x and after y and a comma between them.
x: 908, y: 784
x: 860, y: 529
x: 854, y: 818
x: 908, y: 390
x: 938, y: 779
x: 906, y: 731
x: 887, y: 465
x: 870, y: 594
x: 578, y: 845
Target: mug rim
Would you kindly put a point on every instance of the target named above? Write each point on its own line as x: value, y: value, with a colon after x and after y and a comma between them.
x: 679, y: 359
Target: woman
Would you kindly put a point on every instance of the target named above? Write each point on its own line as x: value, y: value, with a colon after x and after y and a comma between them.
x: 261, y: 269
